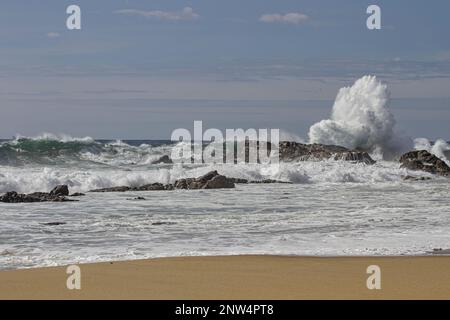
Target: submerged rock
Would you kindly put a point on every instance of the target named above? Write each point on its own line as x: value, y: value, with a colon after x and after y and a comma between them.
x: 148, y: 187
x: 422, y: 160
x: 412, y: 178
x: 54, y: 223
x: 77, y: 194
x: 294, y: 151
x: 113, y: 189
x: 163, y: 159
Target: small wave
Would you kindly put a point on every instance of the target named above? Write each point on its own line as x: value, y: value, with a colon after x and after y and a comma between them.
x: 323, y: 172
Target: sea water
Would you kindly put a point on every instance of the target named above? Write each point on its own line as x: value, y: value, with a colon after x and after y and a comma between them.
x: 330, y: 208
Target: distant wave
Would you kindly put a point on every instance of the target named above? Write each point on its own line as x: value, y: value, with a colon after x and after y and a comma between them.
x: 50, y: 149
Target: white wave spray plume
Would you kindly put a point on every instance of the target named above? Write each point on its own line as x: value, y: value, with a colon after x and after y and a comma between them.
x: 361, y: 119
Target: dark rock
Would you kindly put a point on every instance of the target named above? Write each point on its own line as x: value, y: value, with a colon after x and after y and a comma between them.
x: 138, y: 198
x: 269, y: 181
x: 219, y: 182
x: 239, y: 180
x: 150, y: 187
x: 440, y: 251
x: 54, y: 223
x: 211, y: 180
x: 14, y: 197
x: 294, y: 151
x: 411, y: 178
x: 422, y: 160
x: 161, y: 223
x: 112, y: 189
x: 147, y: 187
x: 61, y: 190
x: 163, y: 159
x: 77, y: 194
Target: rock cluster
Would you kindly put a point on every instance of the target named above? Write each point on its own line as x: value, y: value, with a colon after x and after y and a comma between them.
x: 164, y: 159
x: 147, y: 187
x: 58, y: 194
x: 293, y: 151
x: 211, y: 180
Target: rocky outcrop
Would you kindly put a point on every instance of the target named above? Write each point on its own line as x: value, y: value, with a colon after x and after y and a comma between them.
x: 294, y: 151
x: 61, y: 190
x: 265, y: 181
x: 164, y: 159
x: 58, y: 194
x: 211, y: 180
x: 147, y: 187
x: 422, y: 160
x: 412, y: 178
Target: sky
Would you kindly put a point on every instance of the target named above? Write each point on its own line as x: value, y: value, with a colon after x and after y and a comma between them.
x: 139, y: 69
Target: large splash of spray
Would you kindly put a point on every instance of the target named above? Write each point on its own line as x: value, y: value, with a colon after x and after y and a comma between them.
x: 361, y: 119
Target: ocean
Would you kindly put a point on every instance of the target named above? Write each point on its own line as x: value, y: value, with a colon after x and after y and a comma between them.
x: 332, y: 208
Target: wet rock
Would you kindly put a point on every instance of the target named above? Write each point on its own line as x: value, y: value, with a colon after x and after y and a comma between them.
x: 150, y: 187
x: 112, y: 189
x: 77, y: 194
x: 161, y: 223
x: 422, y: 160
x: 267, y: 181
x: 54, y: 223
x: 219, y: 182
x: 293, y: 151
x: 440, y: 251
x: 14, y: 197
x: 61, y: 190
x: 138, y: 198
x: 239, y: 180
x: 211, y: 180
x: 164, y: 159
x: 412, y: 178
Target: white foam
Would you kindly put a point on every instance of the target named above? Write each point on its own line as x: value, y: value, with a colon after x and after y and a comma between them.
x: 361, y: 119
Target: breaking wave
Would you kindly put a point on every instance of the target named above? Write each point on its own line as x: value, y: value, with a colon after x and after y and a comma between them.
x: 49, y: 149
x: 361, y: 119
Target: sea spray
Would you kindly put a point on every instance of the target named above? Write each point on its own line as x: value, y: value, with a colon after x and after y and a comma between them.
x: 361, y: 119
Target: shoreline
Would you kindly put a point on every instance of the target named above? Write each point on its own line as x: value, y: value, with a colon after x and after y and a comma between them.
x: 257, y: 277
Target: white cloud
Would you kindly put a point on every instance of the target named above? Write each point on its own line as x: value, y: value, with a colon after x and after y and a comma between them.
x: 53, y: 35
x: 186, y: 14
x: 292, y: 17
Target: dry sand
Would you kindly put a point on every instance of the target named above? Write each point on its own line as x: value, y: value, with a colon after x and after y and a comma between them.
x: 238, y: 277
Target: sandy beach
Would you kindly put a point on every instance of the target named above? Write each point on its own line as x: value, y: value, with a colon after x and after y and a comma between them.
x: 237, y: 277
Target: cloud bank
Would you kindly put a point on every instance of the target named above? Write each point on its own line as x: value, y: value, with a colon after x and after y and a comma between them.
x: 291, y: 18
x: 186, y: 14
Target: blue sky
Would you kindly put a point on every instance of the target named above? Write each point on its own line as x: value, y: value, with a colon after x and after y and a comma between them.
x: 140, y: 69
